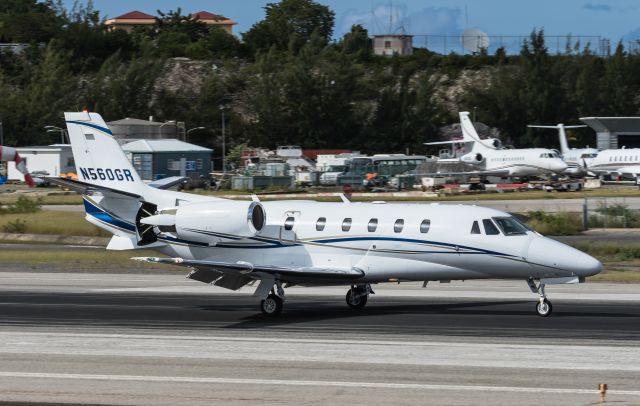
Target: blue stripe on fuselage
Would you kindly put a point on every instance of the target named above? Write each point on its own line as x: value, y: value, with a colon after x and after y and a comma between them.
x: 102, y: 215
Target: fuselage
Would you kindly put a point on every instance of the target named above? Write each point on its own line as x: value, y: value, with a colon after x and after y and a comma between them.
x: 389, y: 242
x: 621, y: 162
x: 518, y: 162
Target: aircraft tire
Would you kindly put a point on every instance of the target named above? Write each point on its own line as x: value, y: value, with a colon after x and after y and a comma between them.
x: 356, y: 302
x: 272, y: 305
x: 544, y: 309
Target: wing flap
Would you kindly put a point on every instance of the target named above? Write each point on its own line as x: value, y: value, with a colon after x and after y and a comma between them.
x: 244, y: 268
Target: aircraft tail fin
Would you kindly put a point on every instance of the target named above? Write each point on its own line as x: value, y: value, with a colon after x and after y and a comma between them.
x: 469, y: 133
x: 99, y: 159
x: 562, y: 135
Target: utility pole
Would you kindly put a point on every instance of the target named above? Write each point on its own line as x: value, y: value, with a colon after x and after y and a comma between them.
x: 224, y: 147
x: 1, y: 133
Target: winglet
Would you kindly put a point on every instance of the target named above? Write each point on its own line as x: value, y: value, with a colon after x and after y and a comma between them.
x: 344, y: 198
x: 255, y: 198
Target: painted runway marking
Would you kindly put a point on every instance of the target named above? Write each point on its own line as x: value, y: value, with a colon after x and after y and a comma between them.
x: 287, y: 382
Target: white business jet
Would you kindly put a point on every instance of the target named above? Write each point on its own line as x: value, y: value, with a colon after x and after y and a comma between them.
x: 232, y: 243
x: 487, y: 156
x: 621, y: 163
x: 577, y: 159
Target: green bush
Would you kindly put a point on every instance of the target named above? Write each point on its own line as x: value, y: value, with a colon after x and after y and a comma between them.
x: 555, y: 224
x: 22, y: 205
x: 614, y: 216
x: 17, y: 226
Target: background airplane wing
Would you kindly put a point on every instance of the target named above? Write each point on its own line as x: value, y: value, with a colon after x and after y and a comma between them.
x: 500, y: 173
x: 234, y: 275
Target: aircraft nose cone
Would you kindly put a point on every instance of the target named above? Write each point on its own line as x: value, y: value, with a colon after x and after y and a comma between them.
x: 559, y: 257
x: 560, y: 166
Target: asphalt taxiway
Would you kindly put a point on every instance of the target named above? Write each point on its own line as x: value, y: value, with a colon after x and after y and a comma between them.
x: 100, y: 338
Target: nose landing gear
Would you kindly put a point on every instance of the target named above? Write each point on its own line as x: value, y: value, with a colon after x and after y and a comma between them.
x: 543, y: 307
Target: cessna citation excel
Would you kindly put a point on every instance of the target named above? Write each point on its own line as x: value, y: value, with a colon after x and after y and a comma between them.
x: 489, y: 158
x: 231, y: 243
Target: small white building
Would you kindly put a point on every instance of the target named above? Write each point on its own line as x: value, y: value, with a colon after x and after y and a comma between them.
x: 51, y: 160
x: 393, y: 44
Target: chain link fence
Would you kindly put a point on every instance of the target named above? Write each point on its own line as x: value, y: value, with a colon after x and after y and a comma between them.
x: 512, y: 44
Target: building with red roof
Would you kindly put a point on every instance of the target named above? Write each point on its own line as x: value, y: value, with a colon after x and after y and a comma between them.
x: 129, y: 21
x: 133, y: 19
x: 214, y: 19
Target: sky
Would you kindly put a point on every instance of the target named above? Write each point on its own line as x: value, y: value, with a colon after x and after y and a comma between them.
x: 612, y: 19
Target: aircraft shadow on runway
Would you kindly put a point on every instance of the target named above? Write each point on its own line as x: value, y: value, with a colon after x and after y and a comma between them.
x: 409, y: 315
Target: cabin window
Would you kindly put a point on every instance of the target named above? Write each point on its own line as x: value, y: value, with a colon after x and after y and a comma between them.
x: 511, y: 226
x: 373, y: 225
x: 489, y: 227
x: 288, y: 223
x: 424, y: 226
x: 398, y: 226
x: 346, y: 224
x: 475, y: 228
x: 322, y: 221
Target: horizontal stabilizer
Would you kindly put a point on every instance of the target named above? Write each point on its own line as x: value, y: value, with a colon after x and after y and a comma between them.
x: 86, y: 188
x: 166, y: 183
x: 446, y: 142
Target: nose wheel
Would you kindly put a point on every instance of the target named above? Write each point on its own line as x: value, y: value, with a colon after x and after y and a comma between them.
x: 543, y: 307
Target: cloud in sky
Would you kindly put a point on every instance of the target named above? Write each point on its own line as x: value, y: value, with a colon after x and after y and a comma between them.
x: 385, y: 19
x: 597, y: 7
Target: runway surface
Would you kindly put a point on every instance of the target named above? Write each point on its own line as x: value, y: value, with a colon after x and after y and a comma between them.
x: 160, y: 339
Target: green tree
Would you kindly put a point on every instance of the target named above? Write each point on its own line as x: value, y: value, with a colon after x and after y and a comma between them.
x: 29, y: 21
x: 357, y: 42
x: 289, y: 24
x: 123, y: 89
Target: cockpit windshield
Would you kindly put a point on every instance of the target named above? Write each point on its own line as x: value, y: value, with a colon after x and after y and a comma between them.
x: 511, y: 226
x: 549, y: 155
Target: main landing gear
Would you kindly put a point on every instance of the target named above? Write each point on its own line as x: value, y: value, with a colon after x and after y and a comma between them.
x: 357, y: 296
x: 273, y: 304
x: 543, y: 307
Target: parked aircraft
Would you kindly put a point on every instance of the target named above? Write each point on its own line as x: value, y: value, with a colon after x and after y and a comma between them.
x: 620, y: 163
x: 10, y: 154
x: 231, y: 243
x: 577, y: 159
x: 487, y: 156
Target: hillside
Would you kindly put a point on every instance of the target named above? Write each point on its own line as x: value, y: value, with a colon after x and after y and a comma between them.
x: 287, y: 83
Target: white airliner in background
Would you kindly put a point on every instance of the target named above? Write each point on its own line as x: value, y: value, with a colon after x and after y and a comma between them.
x: 577, y: 159
x: 487, y: 156
x: 232, y: 243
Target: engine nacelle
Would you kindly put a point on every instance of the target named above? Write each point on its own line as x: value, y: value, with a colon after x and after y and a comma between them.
x: 211, y: 222
x: 473, y: 158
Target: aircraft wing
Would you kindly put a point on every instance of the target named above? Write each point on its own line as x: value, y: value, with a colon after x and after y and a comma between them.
x: 166, y: 183
x: 501, y: 173
x: 234, y: 275
x: 86, y: 188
